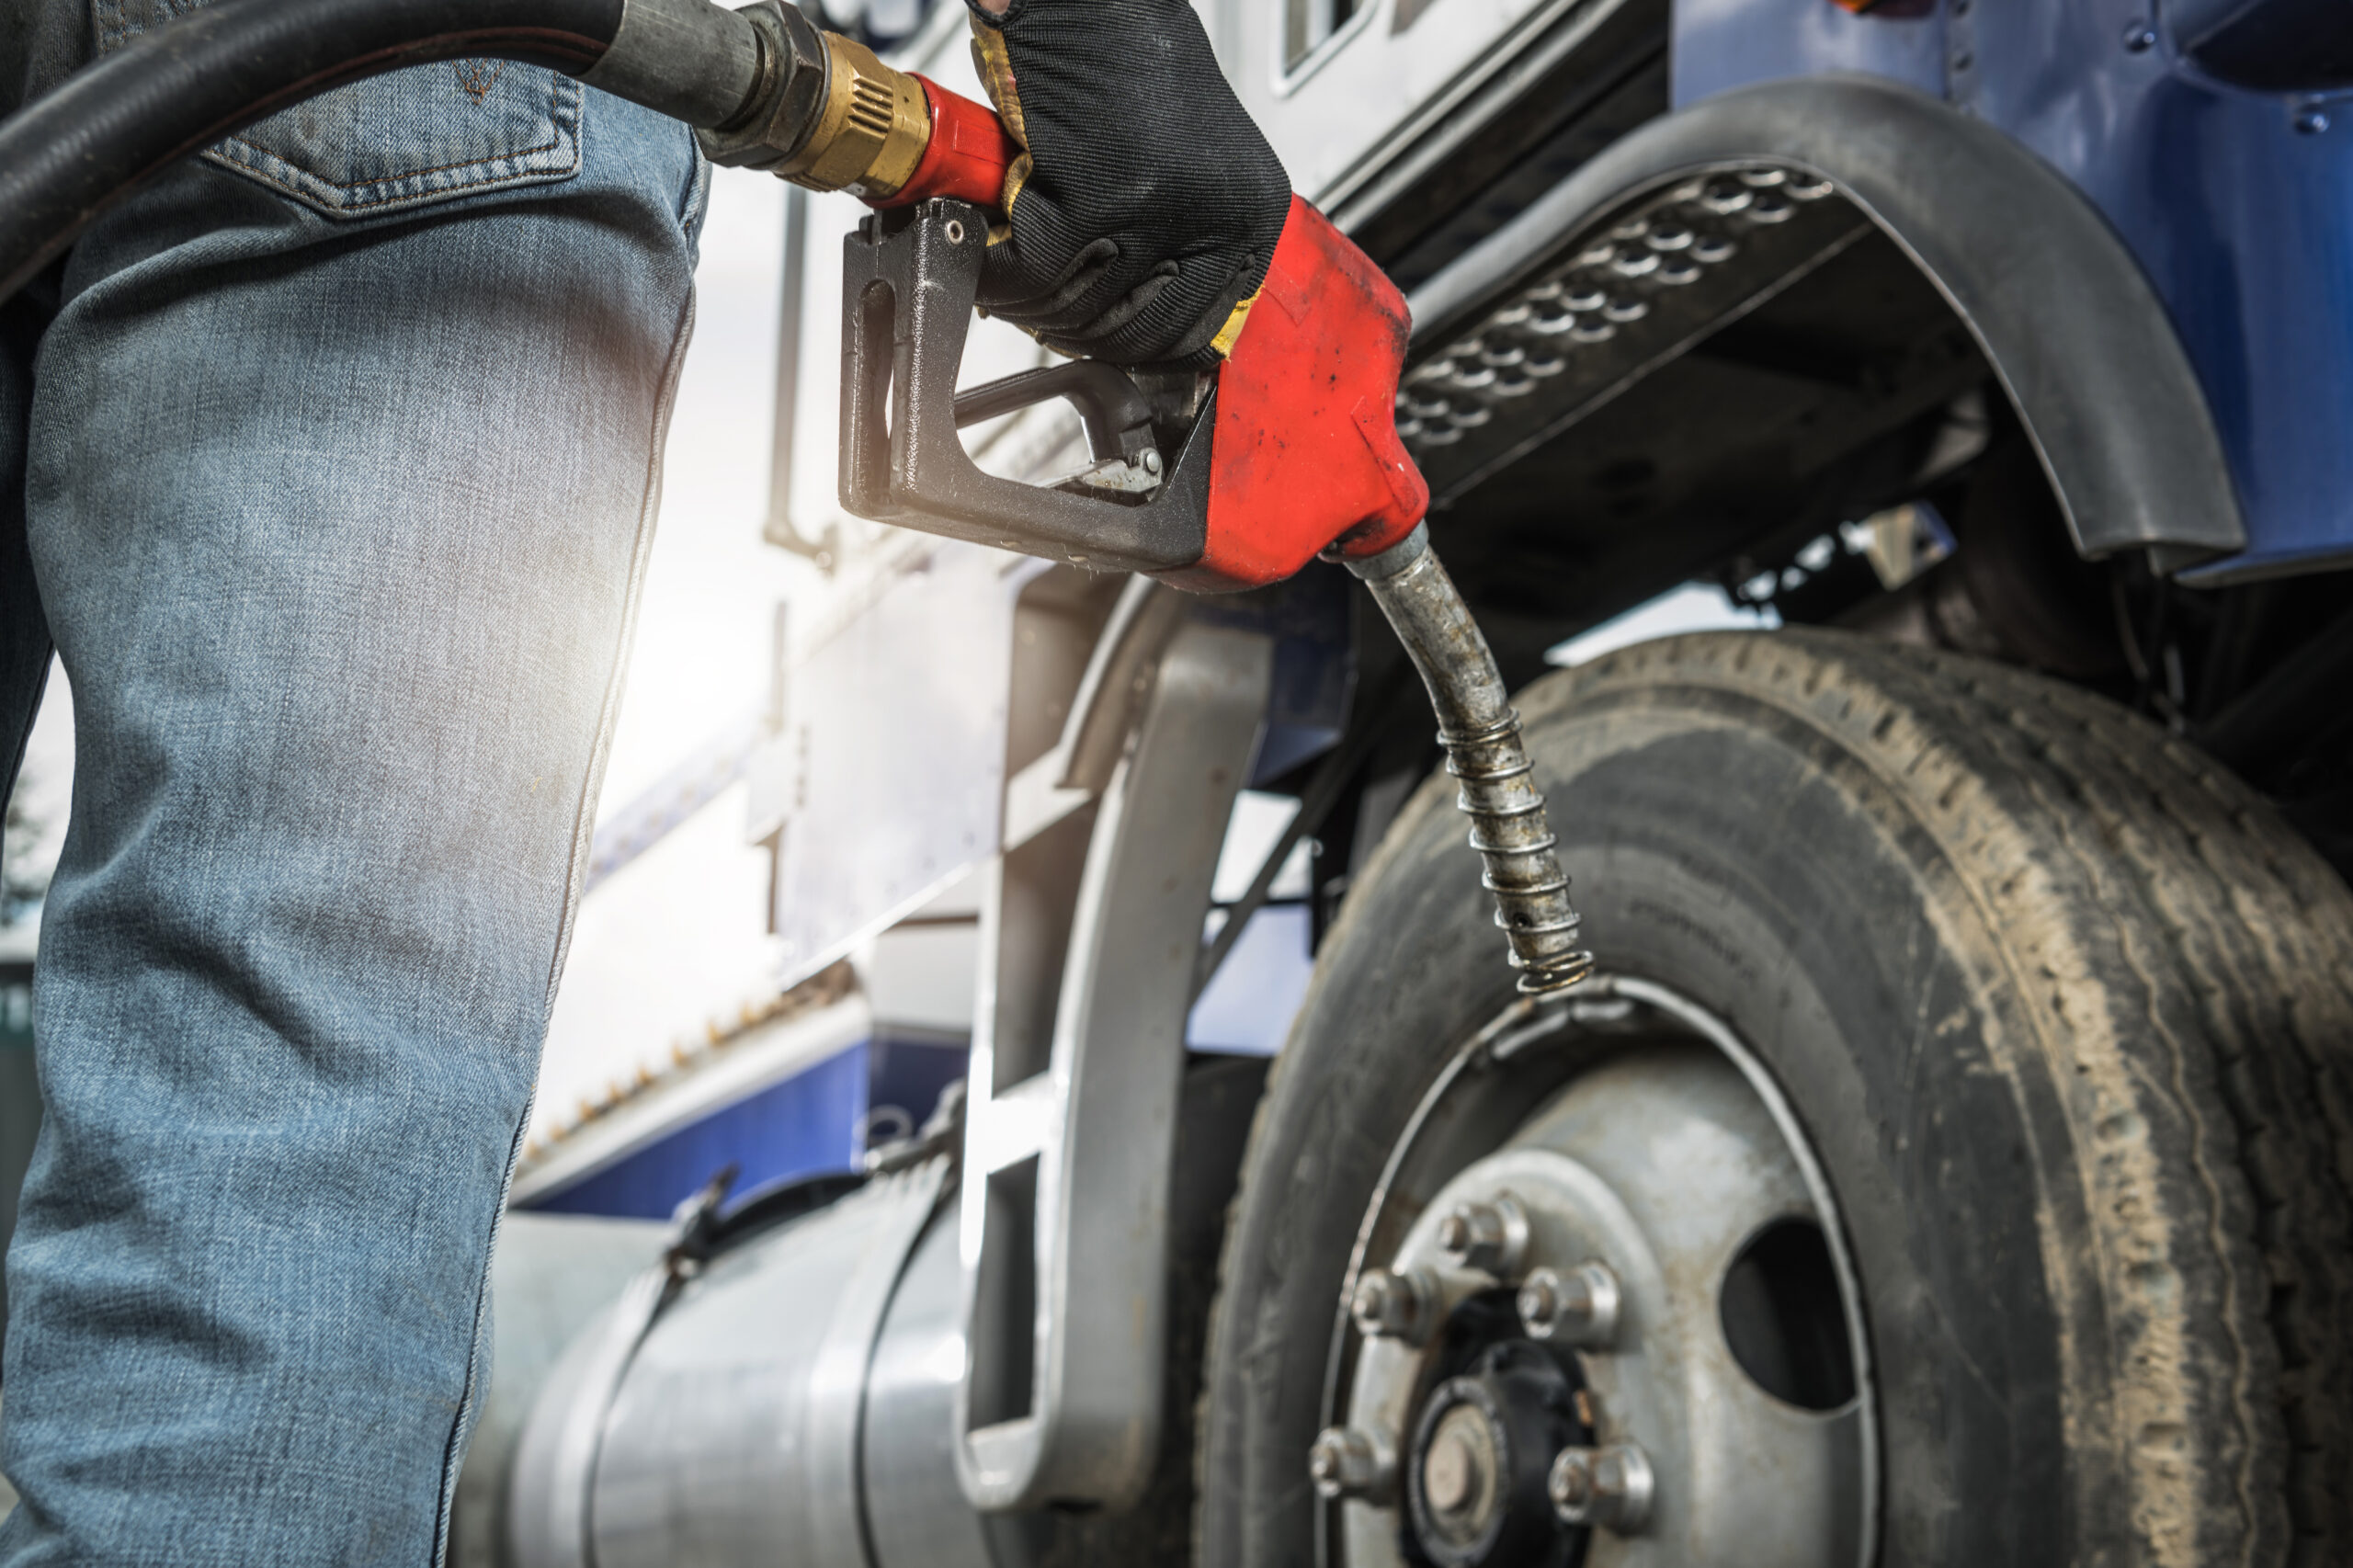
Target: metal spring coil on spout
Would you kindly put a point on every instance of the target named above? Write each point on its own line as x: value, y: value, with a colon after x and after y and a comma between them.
x: 1509, y: 829
x: 1480, y: 731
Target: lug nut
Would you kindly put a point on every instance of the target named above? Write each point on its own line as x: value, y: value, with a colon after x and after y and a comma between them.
x: 1492, y: 1236
x: 1579, y: 1307
x: 1347, y: 1462
x: 1394, y: 1306
x: 1609, y: 1488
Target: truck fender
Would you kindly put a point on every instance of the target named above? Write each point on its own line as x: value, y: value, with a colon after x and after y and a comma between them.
x: 2061, y: 308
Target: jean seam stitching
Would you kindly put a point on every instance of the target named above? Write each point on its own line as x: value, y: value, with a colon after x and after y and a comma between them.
x: 259, y: 170
x: 582, y: 839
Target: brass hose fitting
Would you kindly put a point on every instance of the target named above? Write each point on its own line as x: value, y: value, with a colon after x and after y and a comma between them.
x: 824, y: 111
x: 870, y: 132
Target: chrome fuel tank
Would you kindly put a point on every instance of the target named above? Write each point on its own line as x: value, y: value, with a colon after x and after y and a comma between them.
x: 734, y: 1428
x: 712, y: 1421
x: 793, y: 1400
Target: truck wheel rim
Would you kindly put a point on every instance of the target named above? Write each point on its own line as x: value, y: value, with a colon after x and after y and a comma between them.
x: 1601, y: 1309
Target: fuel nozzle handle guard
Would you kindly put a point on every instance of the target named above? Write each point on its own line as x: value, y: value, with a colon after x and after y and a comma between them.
x: 908, y: 280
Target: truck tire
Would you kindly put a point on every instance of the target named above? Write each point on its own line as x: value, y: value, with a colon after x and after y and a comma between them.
x: 2058, y: 1011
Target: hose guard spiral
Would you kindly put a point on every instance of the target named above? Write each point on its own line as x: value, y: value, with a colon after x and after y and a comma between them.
x: 1481, y: 734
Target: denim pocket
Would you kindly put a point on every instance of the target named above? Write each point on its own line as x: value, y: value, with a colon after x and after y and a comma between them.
x: 400, y: 141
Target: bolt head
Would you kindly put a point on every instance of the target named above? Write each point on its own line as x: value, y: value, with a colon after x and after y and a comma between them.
x: 1539, y: 1301
x: 1387, y: 1305
x: 1488, y: 1236
x: 1578, y: 1306
x: 1571, y: 1484
x: 1344, y: 1461
x: 1611, y: 1488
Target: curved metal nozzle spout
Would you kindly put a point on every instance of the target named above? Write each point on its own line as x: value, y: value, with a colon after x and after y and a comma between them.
x: 1481, y: 734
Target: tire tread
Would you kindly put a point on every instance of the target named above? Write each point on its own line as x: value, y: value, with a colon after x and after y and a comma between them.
x: 2247, y: 994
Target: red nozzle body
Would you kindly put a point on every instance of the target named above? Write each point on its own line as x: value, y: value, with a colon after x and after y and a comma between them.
x: 967, y: 157
x: 1306, y: 455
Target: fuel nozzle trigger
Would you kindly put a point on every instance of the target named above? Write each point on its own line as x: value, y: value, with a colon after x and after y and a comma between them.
x: 1117, y: 416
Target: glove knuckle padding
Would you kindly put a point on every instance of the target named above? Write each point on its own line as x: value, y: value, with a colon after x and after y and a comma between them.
x: 1148, y: 204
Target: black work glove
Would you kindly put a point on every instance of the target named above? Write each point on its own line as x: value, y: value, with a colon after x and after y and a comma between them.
x: 1144, y: 211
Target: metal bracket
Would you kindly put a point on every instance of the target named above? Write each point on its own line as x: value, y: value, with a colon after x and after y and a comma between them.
x: 1103, y: 713
x: 1090, y: 930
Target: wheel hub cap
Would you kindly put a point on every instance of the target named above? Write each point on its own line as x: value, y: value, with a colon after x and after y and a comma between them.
x: 1621, y: 1337
x: 1481, y: 1455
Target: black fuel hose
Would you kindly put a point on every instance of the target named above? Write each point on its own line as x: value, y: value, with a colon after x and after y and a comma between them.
x: 181, y: 87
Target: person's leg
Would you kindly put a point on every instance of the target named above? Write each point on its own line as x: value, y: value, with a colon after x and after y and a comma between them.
x: 338, y: 523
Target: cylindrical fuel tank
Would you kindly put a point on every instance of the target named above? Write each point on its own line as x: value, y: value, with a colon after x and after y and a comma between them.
x: 732, y: 1436
x: 553, y: 1277
x: 792, y: 1401
x: 915, y: 1513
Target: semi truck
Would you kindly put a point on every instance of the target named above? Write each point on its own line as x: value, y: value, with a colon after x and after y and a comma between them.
x: 1950, y: 1157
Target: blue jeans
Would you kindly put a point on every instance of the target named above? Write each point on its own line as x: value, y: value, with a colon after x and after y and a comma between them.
x: 335, y: 467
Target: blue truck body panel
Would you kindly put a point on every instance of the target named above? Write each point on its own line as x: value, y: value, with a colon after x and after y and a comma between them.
x: 1720, y: 44
x: 813, y: 1123
x: 2237, y: 204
